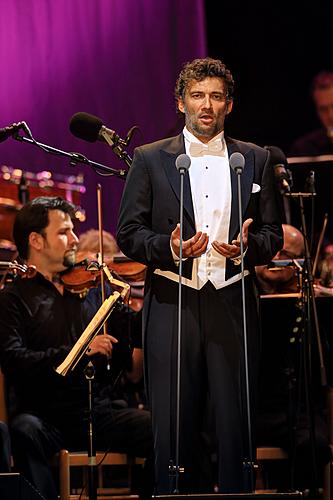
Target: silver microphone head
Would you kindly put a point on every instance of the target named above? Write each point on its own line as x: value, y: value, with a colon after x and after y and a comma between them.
x: 237, y: 162
x: 183, y: 162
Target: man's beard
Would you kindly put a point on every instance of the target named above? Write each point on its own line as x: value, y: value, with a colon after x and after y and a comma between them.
x: 69, y: 258
x: 193, y: 123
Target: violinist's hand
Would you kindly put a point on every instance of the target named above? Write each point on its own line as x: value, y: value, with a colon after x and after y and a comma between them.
x: 194, y: 247
x: 233, y: 250
x: 101, y: 344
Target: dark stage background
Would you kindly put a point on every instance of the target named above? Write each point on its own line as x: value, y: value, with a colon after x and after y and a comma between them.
x: 118, y: 59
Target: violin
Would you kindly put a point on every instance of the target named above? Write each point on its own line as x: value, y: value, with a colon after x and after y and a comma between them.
x: 86, y: 274
x: 13, y: 269
x: 81, y: 277
x: 125, y: 268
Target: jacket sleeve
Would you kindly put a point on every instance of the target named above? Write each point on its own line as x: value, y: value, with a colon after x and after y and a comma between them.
x: 136, y: 235
x: 265, y: 234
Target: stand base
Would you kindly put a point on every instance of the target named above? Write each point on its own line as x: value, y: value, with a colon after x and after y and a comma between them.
x: 232, y: 496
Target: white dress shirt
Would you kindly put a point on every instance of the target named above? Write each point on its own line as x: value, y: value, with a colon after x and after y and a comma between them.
x: 211, y: 195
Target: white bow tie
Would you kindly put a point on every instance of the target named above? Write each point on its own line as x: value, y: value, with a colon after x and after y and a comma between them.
x: 213, y: 148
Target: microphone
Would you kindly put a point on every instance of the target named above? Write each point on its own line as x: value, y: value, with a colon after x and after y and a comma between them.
x: 23, y: 191
x: 237, y: 162
x: 90, y: 128
x: 183, y: 163
x: 282, y: 174
x: 310, y: 183
x: 9, y: 131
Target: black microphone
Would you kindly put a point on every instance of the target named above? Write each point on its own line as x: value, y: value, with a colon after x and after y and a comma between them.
x: 183, y: 163
x: 282, y: 174
x: 237, y: 162
x: 9, y: 131
x: 90, y: 128
x: 282, y: 177
x: 310, y: 183
x: 23, y: 191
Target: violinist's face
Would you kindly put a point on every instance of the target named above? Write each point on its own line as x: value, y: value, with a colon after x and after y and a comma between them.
x: 58, y: 243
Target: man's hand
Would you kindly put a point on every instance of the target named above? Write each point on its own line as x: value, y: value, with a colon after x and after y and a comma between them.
x: 194, y: 247
x: 233, y: 250
x: 101, y: 344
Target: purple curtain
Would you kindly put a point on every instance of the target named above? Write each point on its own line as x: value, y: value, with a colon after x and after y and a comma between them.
x: 116, y: 59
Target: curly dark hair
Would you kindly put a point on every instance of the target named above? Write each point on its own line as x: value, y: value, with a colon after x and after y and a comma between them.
x: 198, y: 70
x: 34, y: 217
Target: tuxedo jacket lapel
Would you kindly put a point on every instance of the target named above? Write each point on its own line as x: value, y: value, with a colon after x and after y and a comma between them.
x: 246, y: 187
x: 168, y: 159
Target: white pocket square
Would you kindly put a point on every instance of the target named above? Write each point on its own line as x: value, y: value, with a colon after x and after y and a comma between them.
x: 255, y: 188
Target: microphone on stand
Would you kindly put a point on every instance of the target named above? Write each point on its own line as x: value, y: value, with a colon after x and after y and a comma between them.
x: 91, y: 128
x: 237, y: 163
x: 282, y: 174
x: 23, y: 191
x: 310, y: 183
x: 183, y: 162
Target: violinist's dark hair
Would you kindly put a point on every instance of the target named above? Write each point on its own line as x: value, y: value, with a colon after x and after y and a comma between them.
x: 34, y: 217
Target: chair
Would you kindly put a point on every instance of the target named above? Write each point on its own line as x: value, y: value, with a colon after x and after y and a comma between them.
x: 265, y: 453
x: 66, y: 459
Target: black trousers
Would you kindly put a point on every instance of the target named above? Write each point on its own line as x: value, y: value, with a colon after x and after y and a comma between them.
x: 212, y: 369
x: 35, y: 440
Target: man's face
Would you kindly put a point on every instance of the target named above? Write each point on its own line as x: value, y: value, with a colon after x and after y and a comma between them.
x: 59, y: 244
x: 205, y: 107
x: 324, y: 105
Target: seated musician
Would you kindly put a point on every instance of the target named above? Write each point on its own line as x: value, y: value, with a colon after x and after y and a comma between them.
x: 40, y: 321
x: 283, y: 279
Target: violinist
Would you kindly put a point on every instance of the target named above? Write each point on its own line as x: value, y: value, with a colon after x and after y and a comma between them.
x: 40, y: 321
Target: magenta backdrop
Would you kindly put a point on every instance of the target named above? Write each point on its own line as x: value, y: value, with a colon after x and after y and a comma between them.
x: 117, y: 59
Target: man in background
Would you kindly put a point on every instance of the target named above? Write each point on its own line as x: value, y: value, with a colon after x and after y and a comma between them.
x: 320, y: 141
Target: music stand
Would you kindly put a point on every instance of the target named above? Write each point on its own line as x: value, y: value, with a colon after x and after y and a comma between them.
x: 75, y: 355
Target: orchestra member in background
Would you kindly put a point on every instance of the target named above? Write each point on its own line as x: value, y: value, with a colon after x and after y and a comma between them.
x: 40, y: 321
x: 212, y: 349
x: 319, y: 141
x: 130, y: 385
x: 89, y: 243
x: 283, y: 279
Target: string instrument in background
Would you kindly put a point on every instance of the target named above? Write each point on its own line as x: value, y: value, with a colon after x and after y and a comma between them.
x: 85, y: 274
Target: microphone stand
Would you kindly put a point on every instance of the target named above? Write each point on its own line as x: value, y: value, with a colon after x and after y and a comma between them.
x: 174, y: 467
x: 248, y: 462
x: 75, y: 158
x: 89, y: 373
x: 309, y: 303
